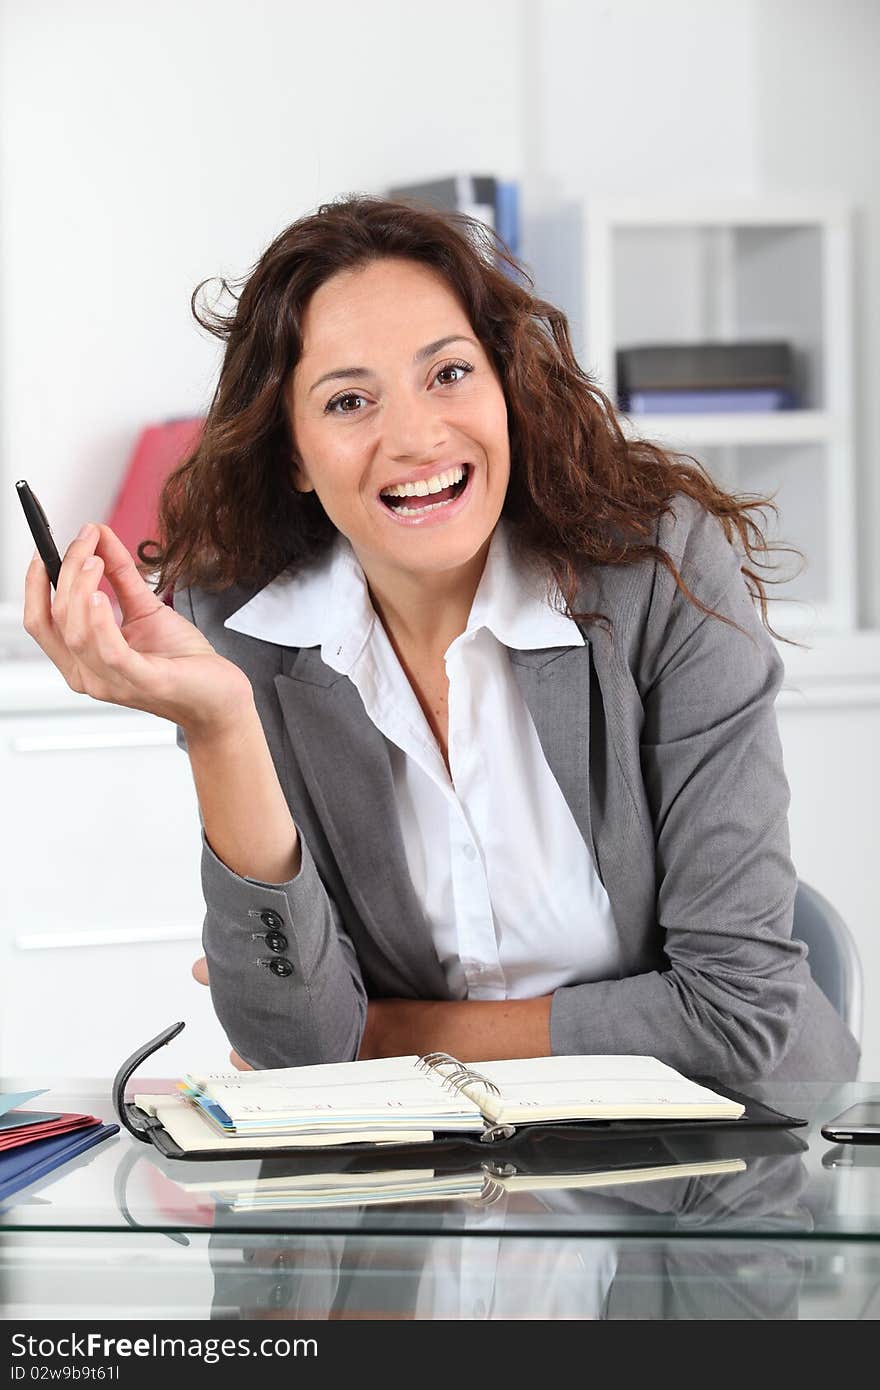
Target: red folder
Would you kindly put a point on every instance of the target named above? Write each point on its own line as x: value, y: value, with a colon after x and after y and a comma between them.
x: 158, y: 450
x: 27, y: 1132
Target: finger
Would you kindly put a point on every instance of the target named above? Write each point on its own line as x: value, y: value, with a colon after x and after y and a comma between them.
x: 37, y: 612
x: 79, y: 549
x: 79, y: 620
x: 98, y: 643
x: 38, y: 619
x: 239, y: 1062
x: 136, y: 598
x: 78, y: 630
x: 200, y: 971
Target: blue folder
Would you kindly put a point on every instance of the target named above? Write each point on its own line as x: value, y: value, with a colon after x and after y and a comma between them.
x: 739, y: 401
x: 23, y: 1165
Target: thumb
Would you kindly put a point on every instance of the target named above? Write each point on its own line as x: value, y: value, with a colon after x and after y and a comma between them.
x: 200, y: 971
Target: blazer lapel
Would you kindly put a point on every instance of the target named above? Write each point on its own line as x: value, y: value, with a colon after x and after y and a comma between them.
x: 569, y: 705
x: 555, y: 685
x: 345, y: 765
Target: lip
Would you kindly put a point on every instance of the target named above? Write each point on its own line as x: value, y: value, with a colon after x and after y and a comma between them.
x: 435, y: 518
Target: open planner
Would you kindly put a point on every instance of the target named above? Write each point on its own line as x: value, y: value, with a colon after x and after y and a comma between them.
x: 405, y: 1101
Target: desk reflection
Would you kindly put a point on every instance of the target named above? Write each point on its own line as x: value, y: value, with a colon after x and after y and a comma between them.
x: 481, y: 1262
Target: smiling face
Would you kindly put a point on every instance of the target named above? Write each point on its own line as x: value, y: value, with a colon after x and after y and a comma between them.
x: 393, y: 391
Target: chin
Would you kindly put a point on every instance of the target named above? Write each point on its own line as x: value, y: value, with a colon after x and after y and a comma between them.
x: 443, y: 548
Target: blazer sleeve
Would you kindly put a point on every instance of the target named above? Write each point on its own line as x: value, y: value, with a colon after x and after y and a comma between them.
x: 304, y: 1001
x: 713, y: 777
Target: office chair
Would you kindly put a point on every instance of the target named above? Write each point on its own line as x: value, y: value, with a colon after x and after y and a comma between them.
x: 832, y: 953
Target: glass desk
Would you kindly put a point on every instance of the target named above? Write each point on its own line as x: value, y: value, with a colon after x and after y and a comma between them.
x: 780, y: 1225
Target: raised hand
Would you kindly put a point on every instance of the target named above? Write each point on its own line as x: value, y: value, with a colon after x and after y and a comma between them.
x: 156, y: 661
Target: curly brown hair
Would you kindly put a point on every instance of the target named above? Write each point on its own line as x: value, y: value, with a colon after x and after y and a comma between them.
x: 580, y: 491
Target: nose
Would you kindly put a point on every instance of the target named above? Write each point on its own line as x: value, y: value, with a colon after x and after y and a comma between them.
x: 411, y: 427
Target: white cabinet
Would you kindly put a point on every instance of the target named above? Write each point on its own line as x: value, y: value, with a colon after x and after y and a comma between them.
x: 829, y: 722
x: 737, y: 270
x: 100, y: 898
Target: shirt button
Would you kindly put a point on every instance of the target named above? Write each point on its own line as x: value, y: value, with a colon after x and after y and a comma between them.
x: 281, y: 966
x: 271, y: 920
x: 469, y: 852
x: 276, y: 941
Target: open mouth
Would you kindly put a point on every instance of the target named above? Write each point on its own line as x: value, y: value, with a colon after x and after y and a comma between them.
x: 427, y: 503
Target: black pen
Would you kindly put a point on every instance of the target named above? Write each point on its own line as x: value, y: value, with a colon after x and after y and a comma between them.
x: 36, y: 519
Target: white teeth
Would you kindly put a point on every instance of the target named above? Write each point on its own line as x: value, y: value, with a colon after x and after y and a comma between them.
x: 426, y: 485
x: 420, y: 511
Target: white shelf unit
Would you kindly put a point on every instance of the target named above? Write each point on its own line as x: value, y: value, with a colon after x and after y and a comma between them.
x: 735, y: 270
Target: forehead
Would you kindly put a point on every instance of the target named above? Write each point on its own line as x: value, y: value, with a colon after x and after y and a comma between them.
x: 388, y: 298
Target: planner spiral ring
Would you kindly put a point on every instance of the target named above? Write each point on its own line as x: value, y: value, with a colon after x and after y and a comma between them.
x: 459, y: 1078
x: 492, y: 1191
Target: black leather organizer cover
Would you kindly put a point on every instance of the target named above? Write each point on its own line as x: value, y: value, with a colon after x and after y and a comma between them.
x: 538, y: 1147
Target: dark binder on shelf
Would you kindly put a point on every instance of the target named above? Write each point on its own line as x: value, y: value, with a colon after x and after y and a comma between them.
x: 473, y: 194
x: 271, y: 1132
x: 492, y: 201
x: 706, y: 366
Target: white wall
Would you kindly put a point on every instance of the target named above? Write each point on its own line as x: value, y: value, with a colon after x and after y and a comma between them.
x: 144, y: 148
x: 817, y: 107
x: 611, y: 99
x: 640, y: 96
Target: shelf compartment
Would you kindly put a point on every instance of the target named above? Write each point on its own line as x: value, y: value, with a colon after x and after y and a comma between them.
x: 764, y: 427
x: 723, y: 284
x: 804, y: 593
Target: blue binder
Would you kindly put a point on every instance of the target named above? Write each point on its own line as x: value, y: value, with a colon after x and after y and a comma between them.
x: 23, y: 1165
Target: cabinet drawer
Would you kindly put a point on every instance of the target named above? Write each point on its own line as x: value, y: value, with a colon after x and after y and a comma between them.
x: 101, y: 905
x: 99, y: 824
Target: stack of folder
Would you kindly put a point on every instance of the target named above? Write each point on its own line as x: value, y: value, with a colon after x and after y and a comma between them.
x: 667, y: 378
x: 492, y: 201
x: 34, y: 1142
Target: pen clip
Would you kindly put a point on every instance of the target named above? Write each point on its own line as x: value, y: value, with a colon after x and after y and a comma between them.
x: 39, y: 508
x: 129, y: 1066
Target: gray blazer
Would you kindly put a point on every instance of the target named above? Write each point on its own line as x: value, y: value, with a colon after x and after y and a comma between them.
x: 664, y: 742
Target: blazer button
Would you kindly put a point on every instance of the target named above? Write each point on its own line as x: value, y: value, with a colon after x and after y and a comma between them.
x: 271, y: 920
x: 276, y: 941
x: 281, y: 966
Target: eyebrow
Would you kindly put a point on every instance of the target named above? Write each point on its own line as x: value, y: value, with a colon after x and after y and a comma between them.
x: 421, y: 356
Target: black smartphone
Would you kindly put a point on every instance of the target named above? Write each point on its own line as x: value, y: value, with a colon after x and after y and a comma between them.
x: 860, y: 1124
x: 36, y: 519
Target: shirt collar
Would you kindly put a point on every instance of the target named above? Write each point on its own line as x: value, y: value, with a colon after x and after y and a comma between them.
x: 517, y: 603
x: 328, y: 605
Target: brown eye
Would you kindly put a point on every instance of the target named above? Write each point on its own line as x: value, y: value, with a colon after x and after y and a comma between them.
x: 463, y: 367
x: 330, y: 407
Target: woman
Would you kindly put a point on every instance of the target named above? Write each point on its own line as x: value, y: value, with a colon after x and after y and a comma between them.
x: 497, y: 772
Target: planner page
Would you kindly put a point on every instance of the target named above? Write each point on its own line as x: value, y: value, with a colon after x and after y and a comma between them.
x: 535, y: 1089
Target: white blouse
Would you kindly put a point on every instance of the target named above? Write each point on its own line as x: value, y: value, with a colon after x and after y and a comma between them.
x: 514, y: 903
